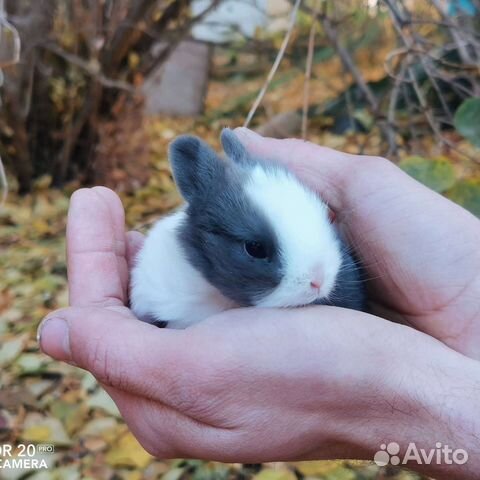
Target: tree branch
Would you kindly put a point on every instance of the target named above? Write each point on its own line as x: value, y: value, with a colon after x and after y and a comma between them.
x: 455, y: 33
x: 177, y: 36
x: 125, y: 35
x: 90, y: 68
x: 332, y: 35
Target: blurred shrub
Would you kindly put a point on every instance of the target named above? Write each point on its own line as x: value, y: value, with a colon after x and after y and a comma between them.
x: 80, y: 59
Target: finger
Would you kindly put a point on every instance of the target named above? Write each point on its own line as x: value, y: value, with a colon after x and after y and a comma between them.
x: 117, y: 218
x: 323, y: 169
x: 122, y: 352
x: 135, y: 242
x: 349, y: 183
x: 93, y: 249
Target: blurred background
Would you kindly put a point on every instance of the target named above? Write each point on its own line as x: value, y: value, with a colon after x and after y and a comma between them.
x: 92, y: 92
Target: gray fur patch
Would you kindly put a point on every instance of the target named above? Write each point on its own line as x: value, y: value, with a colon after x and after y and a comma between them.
x: 220, y: 220
x: 195, y: 166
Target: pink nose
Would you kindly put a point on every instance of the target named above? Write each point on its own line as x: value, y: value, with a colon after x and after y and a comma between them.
x: 316, y: 278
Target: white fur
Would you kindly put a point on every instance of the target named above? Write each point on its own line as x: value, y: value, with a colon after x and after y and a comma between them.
x: 165, y: 285
x: 308, y: 243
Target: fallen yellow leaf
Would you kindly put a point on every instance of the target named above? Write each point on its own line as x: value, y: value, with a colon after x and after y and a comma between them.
x: 127, y: 452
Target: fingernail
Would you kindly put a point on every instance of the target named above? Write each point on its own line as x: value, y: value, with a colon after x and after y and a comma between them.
x: 53, y: 338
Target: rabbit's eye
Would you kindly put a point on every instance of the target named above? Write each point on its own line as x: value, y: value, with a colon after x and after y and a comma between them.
x: 255, y: 249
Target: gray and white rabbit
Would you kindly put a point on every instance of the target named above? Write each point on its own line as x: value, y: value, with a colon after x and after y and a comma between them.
x: 250, y: 235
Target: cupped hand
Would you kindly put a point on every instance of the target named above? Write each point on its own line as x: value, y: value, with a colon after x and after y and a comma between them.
x: 250, y: 385
x: 421, y: 251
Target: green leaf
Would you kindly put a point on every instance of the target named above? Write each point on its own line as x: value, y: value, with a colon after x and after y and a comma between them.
x: 467, y: 120
x: 275, y: 474
x: 342, y: 474
x: 467, y: 194
x: 31, y: 364
x: 173, y: 474
x: 437, y: 174
x: 44, y: 430
x: 11, y: 349
x: 102, y: 400
x: 129, y: 453
x: 318, y: 468
x: 72, y: 415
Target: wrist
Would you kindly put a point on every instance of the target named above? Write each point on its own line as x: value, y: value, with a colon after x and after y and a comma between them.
x: 431, y: 411
x: 417, y: 394
x: 453, y: 402
x: 467, y: 340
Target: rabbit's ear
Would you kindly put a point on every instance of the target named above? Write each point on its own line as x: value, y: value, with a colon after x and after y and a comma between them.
x: 196, y: 167
x: 234, y: 148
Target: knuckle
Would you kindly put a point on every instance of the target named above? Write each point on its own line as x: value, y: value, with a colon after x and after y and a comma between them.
x: 377, y: 163
x: 198, y: 388
x: 184, y: 393
x: 211, y: 393
x: 367, y: 167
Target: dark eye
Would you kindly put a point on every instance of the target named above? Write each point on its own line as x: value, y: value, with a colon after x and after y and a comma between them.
x: 255, y: 249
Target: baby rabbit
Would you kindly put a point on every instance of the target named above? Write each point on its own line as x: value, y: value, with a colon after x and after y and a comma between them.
x: 250, y: 235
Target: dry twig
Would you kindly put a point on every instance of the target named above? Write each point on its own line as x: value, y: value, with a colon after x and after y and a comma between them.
x: 3, y: 183
x: 90, y: 68
x: 308, y: 70
x: 273, y: 70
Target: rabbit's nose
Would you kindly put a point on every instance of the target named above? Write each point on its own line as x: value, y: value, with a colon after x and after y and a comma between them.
x: 316, y: 278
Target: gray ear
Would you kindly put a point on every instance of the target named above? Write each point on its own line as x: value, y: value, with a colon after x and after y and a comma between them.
x: 233, y: 147
x: 196, y: 167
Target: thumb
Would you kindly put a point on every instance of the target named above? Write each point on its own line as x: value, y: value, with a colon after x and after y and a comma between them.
x: 119, y: 350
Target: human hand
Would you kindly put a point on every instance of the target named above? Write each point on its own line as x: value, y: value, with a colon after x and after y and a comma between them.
x: 301, y: 384
x: 421, y: 251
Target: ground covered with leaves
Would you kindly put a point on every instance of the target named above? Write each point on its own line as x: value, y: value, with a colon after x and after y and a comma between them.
x: 45, y: 402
